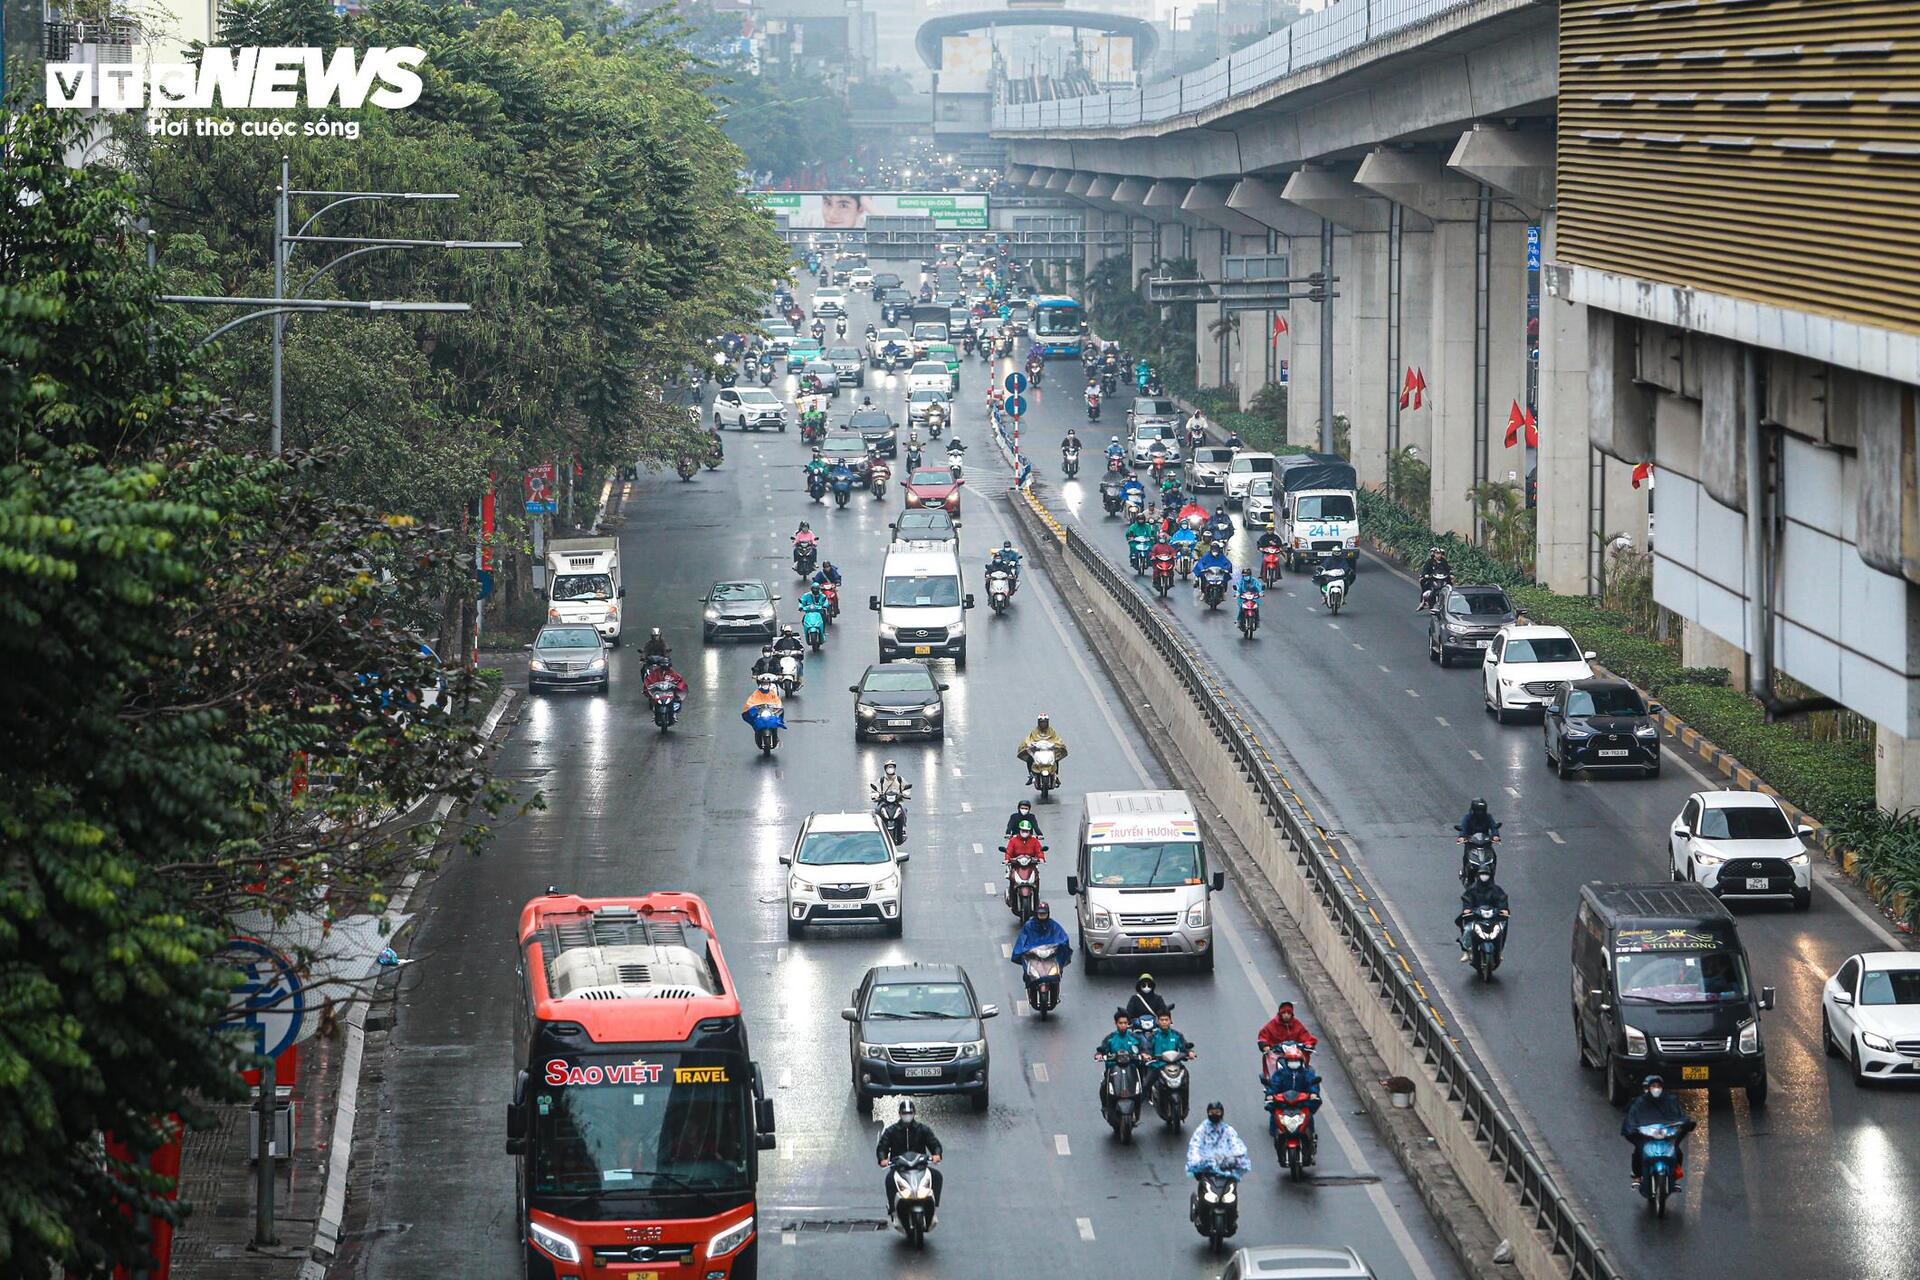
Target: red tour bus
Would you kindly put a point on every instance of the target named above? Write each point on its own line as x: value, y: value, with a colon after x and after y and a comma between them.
x: 637, y: 1111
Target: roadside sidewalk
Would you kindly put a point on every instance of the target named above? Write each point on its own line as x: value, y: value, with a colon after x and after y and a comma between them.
x: 216, y: 1169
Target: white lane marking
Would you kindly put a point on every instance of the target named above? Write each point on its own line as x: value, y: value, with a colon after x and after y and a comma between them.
x: 1293, y: 593
x: 1334, y: 625
x: 1413, y: 693
x: 988, y: 886
x: 1555, y: 837
x: 1475, y: 754
x: 1362, y: 648
x: 1349, y: 1146
x: 1848, y: 1175
x: 1040, y: 1072
x: 786, y: 1153
x: 1514, y: 792
x: 966, y: 806
x: 1442, y: 722
x: 789, y: 1237
x: 1006, y: 951
x: 780, y: 956
x: 1021, y: 1009
x: 1086, y: 1227
x: 977, y: 848
x: 1060, y: 1148
x: 786, y: 1080
x: 956, y: 771
x: 1389, y: 669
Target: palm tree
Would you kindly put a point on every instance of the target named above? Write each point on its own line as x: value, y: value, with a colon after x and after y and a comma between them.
x: 1502, y: 509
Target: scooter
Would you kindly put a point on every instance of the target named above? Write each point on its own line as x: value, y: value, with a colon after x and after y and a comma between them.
x: 879, y: 473
x: 1120, y: 1094
x: 1093, y: 407
x: 842, y: 490
x: 1045, y: 768
x: 1213, y: 586
x: 1479, y: 855
x: 1249, y: 613
x: 1294, y: 1139
x: 805, y: 554
x: 767, y: 721
x: 1486, y: 931
x: 1023, y: 883
x: 913, y: 1196
x: 813, y: 625
x: 892, y: 812
x: 666, y: 705
x: 715, y: 455
x: 1070, y: 462
x: 1215, y: 1207
x: 1333, y: 585
x: 1432, y: 587
x: 1137, y: 547
x: 1040, y: 968
x: 1110, y: 496
x: 936, y: 423
x: 1660, y: 1166
x: 1163, y: 571
x: 831, y: 590
x: 687, y: 466
x: 999, y: 589
x: 1269, y: 566
x: 1168, y: 1089
x: 816, y: 486
x: 789, y: 675
x: 953, y: 461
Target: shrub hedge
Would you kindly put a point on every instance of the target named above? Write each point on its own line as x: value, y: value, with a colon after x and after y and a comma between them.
x: 1832, y: 781
x: 1886, y: 848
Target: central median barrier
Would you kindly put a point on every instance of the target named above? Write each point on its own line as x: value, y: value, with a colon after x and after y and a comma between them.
x: 1470, y: 1126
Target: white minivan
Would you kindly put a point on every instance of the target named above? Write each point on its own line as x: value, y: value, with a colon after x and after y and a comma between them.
x: 1141, y: 884
x: 922, y: 604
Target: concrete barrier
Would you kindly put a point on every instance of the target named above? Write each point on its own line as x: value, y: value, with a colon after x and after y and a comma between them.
x: 1468, y: 1124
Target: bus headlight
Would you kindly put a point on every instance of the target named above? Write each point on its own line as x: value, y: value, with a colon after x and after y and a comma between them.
x: 1636, y: 1042
x: 553, y: 1242
x: 730, y: 1239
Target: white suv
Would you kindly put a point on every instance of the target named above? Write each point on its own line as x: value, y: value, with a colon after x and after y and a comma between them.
x: 829, y: 302
x: 1247, y: 464
x: 1524, y: 664
x: 930, y: 375
x: 1740, y: 844
x: 843, y: 870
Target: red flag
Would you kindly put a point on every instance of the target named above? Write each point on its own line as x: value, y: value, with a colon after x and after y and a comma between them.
x: 1279, y: 325
x: 1514, y: 420
x: 1532, y: 425
x: 1642, y: 472
x: 1419, y: 386
x: 1406, y: 388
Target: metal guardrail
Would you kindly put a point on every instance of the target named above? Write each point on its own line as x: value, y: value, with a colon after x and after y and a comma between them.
x: 1507, y: 1147
x: 1317, y: 38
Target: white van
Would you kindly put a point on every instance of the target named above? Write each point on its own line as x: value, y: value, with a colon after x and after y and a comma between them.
x: 586, y: 584
x: 1247, y: 464
x: 922, y: 604
x: 1141, y: 886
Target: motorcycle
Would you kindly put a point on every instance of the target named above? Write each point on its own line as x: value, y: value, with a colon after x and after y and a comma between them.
x: 1213, y: 586
x: 1116, y: 465
x: 878, y: 475
x: 1168, y: 1089
x: 766, y: 372
x: 687, y: 466
x: 1215, y: 1207
x: 804, y: 556
x: 999, y: 589
x: 936, y: 422
x: 1023, y: 883
x: 767, y: 721
x: 1109, y: 382
x: 842, y: 489
x: 1271, y: 1055
x: 1036, y: 370
x: 831, y: 590
x: 666, y: 705
x: 1136, y: 506
x: 1269, y: 566
x: 953, y: 461
x: 715, y: 455
x: 1157, y: 463
x: 840, y: 327
x: 789, y: 675
x: 913, y: 457
x: 1478, y: 856
x: 1040, y: 968
x: 816, y: 486
x: 1045, y: 768
x: 1660, y: 1165
x: 1249, y: 613
x: 1294, y: 1139
x: 1432, y: 587
x: 892, y: 812
x: 1070, y: 462
x: 813, y: 428
x: 913, y: 1196
x: 1111, y: 497
x: 1163, y: 571
x: 1137, y: 548
x: 1333, y: 586
x: 1093, y: 408
x: 813, y: 625
x: 1485, y: 931
x: 1120, y: 1094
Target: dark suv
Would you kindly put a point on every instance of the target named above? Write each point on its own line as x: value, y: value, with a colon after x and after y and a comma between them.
x: 1601, y: 724
x: 1463, y: 623
x: 918, y: 1028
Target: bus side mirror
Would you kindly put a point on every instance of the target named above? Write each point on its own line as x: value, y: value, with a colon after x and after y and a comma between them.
x: 873, y: 603
x: 517, y: 1117
x: 763, y: 1121
x: 1219, y: 881
x: 968, y: 602
x: 1073, y: 886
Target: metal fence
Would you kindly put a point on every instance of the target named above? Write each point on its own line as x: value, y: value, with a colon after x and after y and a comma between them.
x: 1317, y: 38
x: 1507, y: 1147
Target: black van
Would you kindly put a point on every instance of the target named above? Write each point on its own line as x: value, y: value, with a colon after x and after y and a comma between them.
x: 1661, y: 987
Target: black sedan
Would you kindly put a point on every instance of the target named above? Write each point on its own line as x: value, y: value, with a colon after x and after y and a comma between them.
x: 1464, y: 622
x: 917, y: 1028
x: 1601, y: 724
x: 739, y: 610
x: 877, y: 427
x: 898, y: 700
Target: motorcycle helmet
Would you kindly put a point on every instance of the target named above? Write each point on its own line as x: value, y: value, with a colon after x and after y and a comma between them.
x: 1042, y: 912
x: 1113, y: 439
x: 1144, y: 985
x: 766, y: 651
x: 1295, y: 1056
x: 1653, y: 1082
x: 1479, y: 805
x: 1042, y: 722
x: 1216, y: 1112
x: 906, y: 1108
x: 787, y: 630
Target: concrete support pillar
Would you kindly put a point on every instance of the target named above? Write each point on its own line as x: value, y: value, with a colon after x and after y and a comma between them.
x: 1507, y: 350
x: 1301, y: 345
x: 1450, y: 376
x: 1699, y: 647
x: 1209, y: 349
x: 1896, y: 771
x: 1361, y: 329
x: 1416, y: 350
x: 1564, y: 515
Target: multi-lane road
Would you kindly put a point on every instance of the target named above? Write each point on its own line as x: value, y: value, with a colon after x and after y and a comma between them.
x: 1036, y: 1186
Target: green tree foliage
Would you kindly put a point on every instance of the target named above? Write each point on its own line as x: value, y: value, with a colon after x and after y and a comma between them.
x: 182, y: 623
x: 784, y: 125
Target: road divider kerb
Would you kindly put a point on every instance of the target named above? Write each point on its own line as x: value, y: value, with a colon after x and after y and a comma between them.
x: 1486, y: 1150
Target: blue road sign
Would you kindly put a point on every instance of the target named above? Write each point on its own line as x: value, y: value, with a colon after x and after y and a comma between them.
x: 485, y: 578
x: 1016, y: 405
x: 1016, y: 382
x: 270, y: 1002
x: 1533, y: 248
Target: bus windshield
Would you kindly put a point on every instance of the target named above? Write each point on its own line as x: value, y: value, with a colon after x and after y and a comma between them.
x: 641, y: 1123
x: 1059, y: 320
x: 1154, y: 864
x: 922, y: 593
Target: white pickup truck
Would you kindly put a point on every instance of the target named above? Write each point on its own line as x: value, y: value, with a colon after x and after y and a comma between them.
x: 586, y: 584
x: 1318, y: 512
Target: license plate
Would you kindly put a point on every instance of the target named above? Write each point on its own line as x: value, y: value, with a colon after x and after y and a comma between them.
x: 1614, y: 753
x: 843, y: 906
x: 1757, y: 882
x: 899, y: 724
x: 921, y: 1073
x: 642, y: 1275
x: 923, y: 648
x: 1147, y: 944
x: 1481, y: 644
x: 1693, y: 1073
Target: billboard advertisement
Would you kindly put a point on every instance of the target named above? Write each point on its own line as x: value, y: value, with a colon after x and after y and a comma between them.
x: 846, y: 210
x: 966, y: 63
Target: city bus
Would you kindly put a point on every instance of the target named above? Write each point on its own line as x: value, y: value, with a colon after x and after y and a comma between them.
x: 637, y: 1113
x: 1058, y: 326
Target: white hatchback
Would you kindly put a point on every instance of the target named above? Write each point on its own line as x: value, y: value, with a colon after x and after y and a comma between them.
x: 1870, y: 1015
x: 1741, y: 845
x: 1247, y: 464
x: 843, y: 870
x: 1524, y: 664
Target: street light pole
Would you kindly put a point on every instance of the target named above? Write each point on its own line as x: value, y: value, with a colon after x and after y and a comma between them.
x: 279, y: 291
